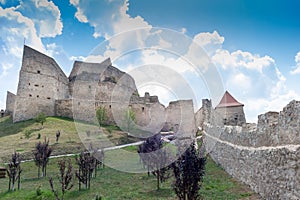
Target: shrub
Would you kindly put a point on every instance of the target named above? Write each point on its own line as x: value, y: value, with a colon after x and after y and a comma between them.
x: 40, y: 118
x: 27, y: 133
x: 101, y: 115
x: 188, y: 171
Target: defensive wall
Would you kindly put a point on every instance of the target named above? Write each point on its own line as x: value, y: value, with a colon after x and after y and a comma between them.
x: 265, y: 156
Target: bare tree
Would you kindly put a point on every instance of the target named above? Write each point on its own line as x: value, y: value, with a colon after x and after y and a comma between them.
x: 65, y: 178
x: 98, y: 155
x: 42, y: 153
x: 14, y: 171
x: 86, y: 164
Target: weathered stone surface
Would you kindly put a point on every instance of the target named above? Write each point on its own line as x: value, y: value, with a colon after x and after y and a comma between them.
x: 10, y: 103
x: 43, y: 87
x: 266, y: 156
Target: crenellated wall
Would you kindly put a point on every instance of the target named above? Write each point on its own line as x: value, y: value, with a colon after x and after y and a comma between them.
x: 266, y: 156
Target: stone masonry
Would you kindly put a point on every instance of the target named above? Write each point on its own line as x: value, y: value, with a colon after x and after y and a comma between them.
x: 43, y: 87
x: 265, y: 156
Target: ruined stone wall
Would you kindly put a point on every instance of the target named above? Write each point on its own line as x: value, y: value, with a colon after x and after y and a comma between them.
x: 180, y: 114
x: 10, y: 103
x: 43, y: 87
x: 266, y: 156
x: 41, y: 82
x: 203, y: 114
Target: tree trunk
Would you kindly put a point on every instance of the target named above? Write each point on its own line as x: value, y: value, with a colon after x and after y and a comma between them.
x: 43, y: 171
x: 45, y: 174
x: 157, y: 175
x: 39, y: 168
x: 19, y: 181
x: 9, y: 183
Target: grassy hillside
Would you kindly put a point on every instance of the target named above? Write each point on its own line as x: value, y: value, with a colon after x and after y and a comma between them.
x: 12, y: 136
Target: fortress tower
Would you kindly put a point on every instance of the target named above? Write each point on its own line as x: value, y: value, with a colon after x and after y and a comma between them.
x: 41, y: 82
x: 230, y: 111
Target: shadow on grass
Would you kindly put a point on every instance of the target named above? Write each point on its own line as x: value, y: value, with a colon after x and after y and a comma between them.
x: 7, y: 127
x: 163, y: 192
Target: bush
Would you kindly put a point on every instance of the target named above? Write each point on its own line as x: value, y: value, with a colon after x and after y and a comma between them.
x: 40, y: 118
x: 189, y: 171
x: 27, y: 133
x: 101, y: 115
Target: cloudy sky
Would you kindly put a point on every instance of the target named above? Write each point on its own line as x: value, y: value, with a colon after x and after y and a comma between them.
x: 254, y: 45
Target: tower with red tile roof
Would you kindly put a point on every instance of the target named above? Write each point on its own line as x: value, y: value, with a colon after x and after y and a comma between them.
x: 230, y: 110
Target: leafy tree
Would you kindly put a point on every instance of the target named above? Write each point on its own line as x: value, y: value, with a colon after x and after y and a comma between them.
x: 129, y: 119
x: 14, y: 171
x: 101, y: 115
x: 188, y: 171
x: 65, y: 178
x: 40, y: 118
x: 42, y: 153
x: 86, y: 164
x: 155, y: 158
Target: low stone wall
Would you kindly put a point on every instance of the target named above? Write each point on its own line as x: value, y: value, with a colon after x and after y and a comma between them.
x: 272, y: 172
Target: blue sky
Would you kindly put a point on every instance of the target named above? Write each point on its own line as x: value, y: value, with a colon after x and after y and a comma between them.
x: 254, y: 45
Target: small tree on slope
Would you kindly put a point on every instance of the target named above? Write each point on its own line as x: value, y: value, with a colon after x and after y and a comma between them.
x: 188, y: 171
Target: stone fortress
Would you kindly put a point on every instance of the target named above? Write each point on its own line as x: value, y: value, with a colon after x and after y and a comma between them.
x: 43, y: 87
x: 265, y: 156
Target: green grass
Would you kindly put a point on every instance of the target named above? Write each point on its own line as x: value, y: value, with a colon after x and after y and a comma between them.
x: 113, y: 184
x: 109, y: 183
x: 73, y: 135
x: 218, y: 184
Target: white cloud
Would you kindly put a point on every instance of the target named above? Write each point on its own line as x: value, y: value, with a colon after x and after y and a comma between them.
x: 5, y: 67
x: 126, y: 23
x: 27, y: 22
x: 240, y: 82
x: 209, y: 41
x: 241, y: 59
x: 110, y: 18
x: 17, y: 27
x: 297, y: 67
x: 45, y: 16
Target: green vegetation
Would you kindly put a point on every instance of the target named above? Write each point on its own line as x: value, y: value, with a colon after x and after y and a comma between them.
x: 112, y: 184
x: 109, y: 183
x: 41, y: 118
x: 129, y: 120
x: 101, y: 115
x: 12, y: 136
